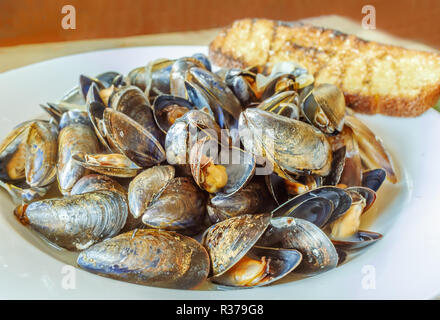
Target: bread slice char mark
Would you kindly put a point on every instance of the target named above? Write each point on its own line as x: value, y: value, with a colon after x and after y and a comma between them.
x: 375, y: 78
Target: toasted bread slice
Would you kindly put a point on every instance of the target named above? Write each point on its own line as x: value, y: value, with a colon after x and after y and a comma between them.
x: 375, y: 78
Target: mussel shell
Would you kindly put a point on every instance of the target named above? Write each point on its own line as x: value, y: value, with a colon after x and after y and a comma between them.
x: 13, y: 153
x: 290, y: 144
x: 126, y: 169
x: 281, y: 263
x: 76, y: 222
x: 181, y: 206
x: 203, y: 59
x: 86, y: 82
x: 326, y: 98
x: 319, y: 254
x: 373, y: 179
x: 228, y: 241
x: 223, y: 102
x: 163, y: 101
x: 41, y: 154
x: 372, y: 151
x: 249, y: 200
x: 131, y: 101
x: 240, y: 165
x: 20, y: 192
x: 157, y: 76
x: 316, y: 210
x: 338, y: 163
x: 149, y: 257
x: 366, y: 193
x: 95, y: 111
x: 52, y: 110
x: 133, y: 140
x: 96, y: 182
x: 146, y: 186
x: 178, y: 75
x: 93, y: 94
x: 283, y: 103
x: 341, y: 201
x: 185, y: 132
x: 102, y: 81
x: 360, y: 240
x: 76, y: 138
x: 277, y: 188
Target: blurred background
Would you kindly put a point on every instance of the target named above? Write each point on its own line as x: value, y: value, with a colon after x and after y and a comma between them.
x: 30, y: 21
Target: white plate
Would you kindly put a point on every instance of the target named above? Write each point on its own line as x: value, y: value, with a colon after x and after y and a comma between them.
x: 404, y: 264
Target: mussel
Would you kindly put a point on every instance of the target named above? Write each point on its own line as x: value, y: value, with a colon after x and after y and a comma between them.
x: 319, y: 254
x: 324, y: 107
x: 76, y: 138
x: 181, y: 206
x: 76, y: 222
x: 292, y: 146
x: 41, y: 154
x: 149, y: 257
x: 132, y: 140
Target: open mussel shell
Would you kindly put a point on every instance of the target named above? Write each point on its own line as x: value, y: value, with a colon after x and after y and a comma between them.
x: 168, y: 108
x: 238, y: 164
x: 132, y: 140
x: 316, y: 210
x: 131, y: 101
x: 203, y: 59
x: 372, y: 151
x: 283, y: 104
x: 360, y: 240
x: 20, y: 192
x: 95, y: 110
x: 324, y: 107
x: 41, y: 154
x: 277, y: 188
x: 146, y: 186
x: 366, y: 193
x: 319, y: 254
x: 181, y: 207
x: 52, y: 110
x: 228, y: 241
x: 93, y: 95
x: 251, y: 199
x: 149, y: 257
x: 242, y: 84
x: 339, y: 197
x: 113, y: 164
x: 157, y: 77
x: 102, y: 81
x: 178, y: 75
x: 373, y: 179
x: 13, y: 153
x: 261, y: 266
x: 184, y: 133
x: 338, y: 163
x: 223, y: 102
x: 291, y: 145
x: 76, y: 222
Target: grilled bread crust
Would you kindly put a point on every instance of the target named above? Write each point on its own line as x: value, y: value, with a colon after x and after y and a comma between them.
x: 375, y: 78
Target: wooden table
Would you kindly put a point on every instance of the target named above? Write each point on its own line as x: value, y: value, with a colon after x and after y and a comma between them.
x: 18, y: 56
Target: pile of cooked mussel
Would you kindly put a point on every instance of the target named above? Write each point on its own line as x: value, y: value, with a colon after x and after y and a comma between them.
x: 175, y: 174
